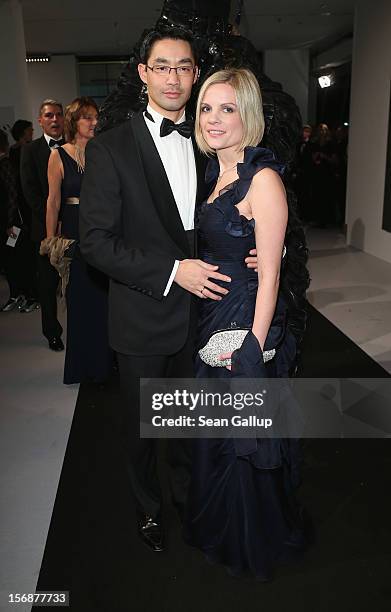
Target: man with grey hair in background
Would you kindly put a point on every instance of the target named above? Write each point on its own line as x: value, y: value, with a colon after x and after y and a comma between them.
x: 33, y: 171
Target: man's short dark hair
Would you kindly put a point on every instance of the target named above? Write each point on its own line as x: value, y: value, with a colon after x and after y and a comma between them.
x: 19, y: 127
x: 3, y: 141
x: 156, y: 35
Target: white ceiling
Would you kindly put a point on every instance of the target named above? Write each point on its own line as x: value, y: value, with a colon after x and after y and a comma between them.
x: 113, y: 26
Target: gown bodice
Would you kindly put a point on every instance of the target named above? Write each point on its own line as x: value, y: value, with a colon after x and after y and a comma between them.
x: 70, y: 188
x: 225, y: 238
x: 71, y: 184
x: 224, y: 235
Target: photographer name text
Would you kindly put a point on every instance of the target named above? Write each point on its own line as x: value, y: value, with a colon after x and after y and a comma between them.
x: 203, y: 421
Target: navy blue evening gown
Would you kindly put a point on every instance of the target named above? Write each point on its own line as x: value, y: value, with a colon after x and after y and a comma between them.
x: 88, y: 356
x: 241, y: 509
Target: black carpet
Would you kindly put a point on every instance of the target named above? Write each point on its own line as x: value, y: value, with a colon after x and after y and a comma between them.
x: 92, y: 549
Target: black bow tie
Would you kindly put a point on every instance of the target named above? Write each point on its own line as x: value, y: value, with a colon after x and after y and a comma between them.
x: 56, y: 143
x: 184, y: 129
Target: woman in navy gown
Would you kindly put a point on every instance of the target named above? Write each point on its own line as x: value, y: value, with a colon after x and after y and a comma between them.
x: 241, y: 510
x: 87, y: 356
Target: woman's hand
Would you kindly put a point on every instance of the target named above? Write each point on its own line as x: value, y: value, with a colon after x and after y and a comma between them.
x: 252, y: 260
x: 225, y: 356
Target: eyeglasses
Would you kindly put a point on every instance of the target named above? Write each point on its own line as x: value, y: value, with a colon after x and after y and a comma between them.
x: 163, y: 70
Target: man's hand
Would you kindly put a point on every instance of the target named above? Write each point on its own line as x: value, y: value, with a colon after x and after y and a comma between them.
x: 252, y: 261
x: 194, y: 275
x: 11, y: 233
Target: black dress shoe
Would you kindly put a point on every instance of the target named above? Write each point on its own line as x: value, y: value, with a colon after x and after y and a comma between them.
x: 150, y: 531
x: 56, y: 344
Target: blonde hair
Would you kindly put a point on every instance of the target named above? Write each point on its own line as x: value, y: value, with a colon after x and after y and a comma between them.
x: 249, y: 101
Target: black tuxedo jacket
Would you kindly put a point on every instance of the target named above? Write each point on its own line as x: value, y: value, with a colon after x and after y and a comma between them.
x: 130, y: 229
x: 34, y: 178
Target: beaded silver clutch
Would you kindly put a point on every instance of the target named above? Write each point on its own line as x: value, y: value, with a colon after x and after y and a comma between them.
x: 226, y: 341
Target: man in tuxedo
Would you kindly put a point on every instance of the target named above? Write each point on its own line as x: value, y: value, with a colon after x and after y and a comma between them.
x: 33, y: 174
x: 139, y: 192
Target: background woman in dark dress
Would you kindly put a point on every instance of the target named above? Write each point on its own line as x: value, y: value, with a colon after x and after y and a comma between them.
x: 87, y: 350
x: 241, y: 510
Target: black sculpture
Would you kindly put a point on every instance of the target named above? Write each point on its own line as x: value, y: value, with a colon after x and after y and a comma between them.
x: 218, y: 45
x: 217, y: 48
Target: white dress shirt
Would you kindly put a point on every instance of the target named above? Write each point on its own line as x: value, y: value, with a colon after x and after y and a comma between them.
x: 177, y: 155
x: 49, y: 138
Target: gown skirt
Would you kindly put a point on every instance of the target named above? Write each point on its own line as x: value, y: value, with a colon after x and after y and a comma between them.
x: 88, y: 356
x: 242, y: 511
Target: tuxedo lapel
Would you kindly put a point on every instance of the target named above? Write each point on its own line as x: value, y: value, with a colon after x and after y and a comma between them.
x: 43, y: 154
x: 200, y: 162
x: 158, y: 183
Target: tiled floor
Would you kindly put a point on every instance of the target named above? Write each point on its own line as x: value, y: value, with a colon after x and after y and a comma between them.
x: 35, y: 417
x: 353, y: 290
x: 350, y: 288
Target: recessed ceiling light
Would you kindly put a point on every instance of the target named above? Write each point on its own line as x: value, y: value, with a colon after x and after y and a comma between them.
x: 325, y: 81
x: 38, y: 58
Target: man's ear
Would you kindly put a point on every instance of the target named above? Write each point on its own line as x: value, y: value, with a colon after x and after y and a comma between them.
x: 142, y: 72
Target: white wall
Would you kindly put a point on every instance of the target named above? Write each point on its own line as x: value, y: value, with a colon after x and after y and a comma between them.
x: 341, y: 52
x: 57, y: 79
x: 291, y: 68
x: 370, y: 101
x: 14, y: 92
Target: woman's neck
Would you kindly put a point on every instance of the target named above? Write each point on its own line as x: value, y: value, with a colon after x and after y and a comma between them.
x: 80, y: 142
x: 228, y: 158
